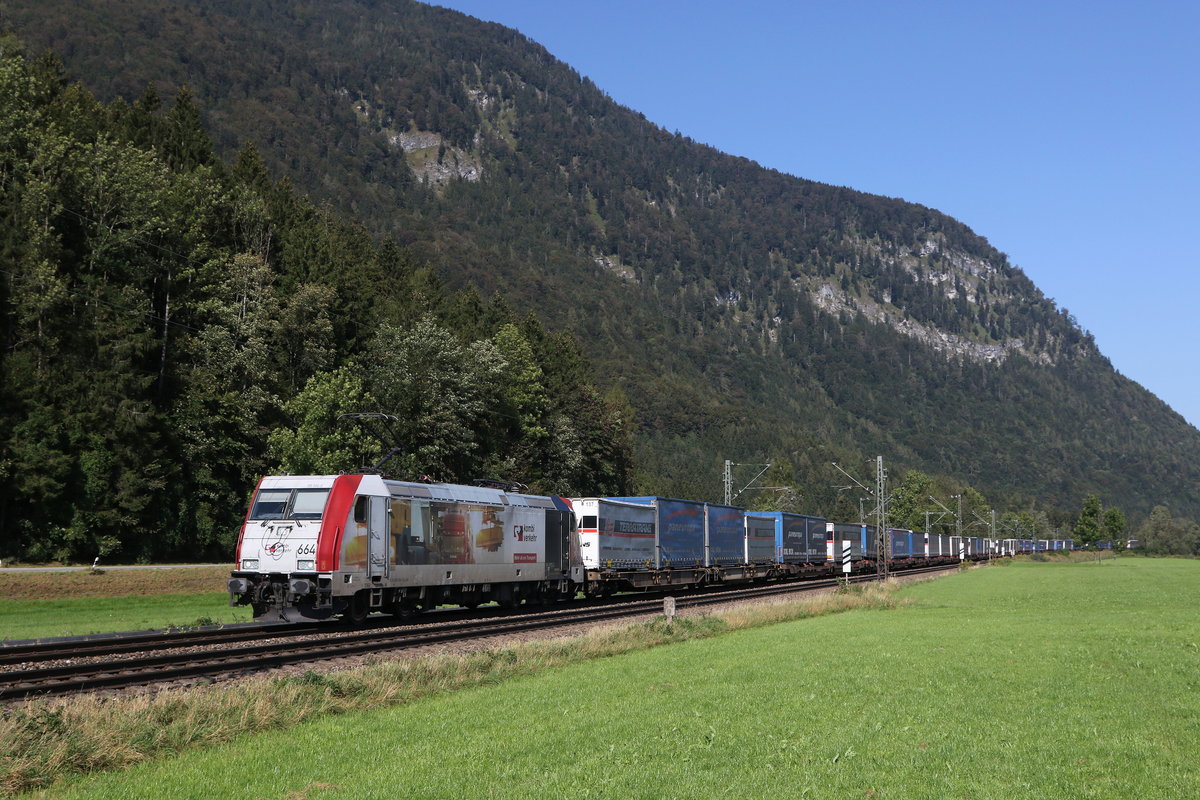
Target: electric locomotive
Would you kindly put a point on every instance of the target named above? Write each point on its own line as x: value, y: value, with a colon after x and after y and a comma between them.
x: 316, y: 546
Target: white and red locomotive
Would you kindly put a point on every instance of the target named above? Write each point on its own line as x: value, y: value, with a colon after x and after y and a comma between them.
x: 316, y: 546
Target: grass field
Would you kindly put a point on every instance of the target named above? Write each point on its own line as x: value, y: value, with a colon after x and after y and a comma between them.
x: 39, y: 604
x: 1020, y: 681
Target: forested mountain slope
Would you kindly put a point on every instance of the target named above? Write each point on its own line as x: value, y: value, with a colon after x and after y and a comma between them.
x: 746, y: 314
x: 173, y: 326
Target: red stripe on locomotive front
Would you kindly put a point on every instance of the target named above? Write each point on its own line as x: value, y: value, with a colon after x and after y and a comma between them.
x: 337, y: 511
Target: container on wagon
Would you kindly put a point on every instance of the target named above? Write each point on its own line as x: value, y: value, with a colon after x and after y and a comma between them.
x: 902, y: 540
x: 958, y: 547
x: 760, y: 539
x: 799, y: 538
x: 870, y: 542
x: 615, y: 534
x: 837, y: 533
x: 680, y: 527
x: 725, y: 535
x: 939, y: 545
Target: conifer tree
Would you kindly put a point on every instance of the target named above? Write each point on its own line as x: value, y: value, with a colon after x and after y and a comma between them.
x: 1087, y: 525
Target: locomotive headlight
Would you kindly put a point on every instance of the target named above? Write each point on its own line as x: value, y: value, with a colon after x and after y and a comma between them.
x: 304, y: 565
x: 249, y: 563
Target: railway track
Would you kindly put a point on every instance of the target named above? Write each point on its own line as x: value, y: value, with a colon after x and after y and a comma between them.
x: 108, y: 644
x: 191, y: 655
x: 73, y: 647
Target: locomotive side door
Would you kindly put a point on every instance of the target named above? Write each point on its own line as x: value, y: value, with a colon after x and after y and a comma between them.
x: 558, y: 533
x: 377, y: 561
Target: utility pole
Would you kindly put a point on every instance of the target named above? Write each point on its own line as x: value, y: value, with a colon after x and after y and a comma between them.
x: 945, y: 511
x: 731, y: 495
x: 940, y: 505
x: 993, y: 535
x: 883, y: 540
x: 958, y: 529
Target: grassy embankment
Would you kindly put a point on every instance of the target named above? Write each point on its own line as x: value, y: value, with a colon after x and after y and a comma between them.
x: 38, y: 604
x: 1032, y: 680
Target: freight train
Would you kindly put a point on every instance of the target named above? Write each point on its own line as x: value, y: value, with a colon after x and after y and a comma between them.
x: 319, y: 546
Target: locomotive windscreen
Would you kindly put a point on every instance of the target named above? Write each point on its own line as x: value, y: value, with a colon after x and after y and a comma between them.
x: 289, y: 504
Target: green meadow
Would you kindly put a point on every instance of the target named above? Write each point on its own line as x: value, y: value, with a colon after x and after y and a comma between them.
x: 42, y: 604
x: 32, y: 619
x: 1024, y: 680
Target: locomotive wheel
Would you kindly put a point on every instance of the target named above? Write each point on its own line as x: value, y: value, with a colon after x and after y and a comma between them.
x: 358, y: 610
x: 508, y: 597
x: 402, y: 608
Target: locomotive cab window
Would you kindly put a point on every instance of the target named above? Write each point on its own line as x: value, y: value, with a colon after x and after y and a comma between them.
x: 308, y: 503
x: 270, y: 504
x: 587, y: 521
x: 289, y: 504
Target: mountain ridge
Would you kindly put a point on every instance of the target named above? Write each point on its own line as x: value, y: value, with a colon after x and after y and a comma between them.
x: 738, y: 302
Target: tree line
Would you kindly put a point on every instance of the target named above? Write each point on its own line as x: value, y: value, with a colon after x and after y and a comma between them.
x: 174, y: 326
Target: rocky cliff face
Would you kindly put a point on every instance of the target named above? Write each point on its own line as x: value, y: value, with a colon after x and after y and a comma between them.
x: 829, y: 298
x: 955, y: 275
x: 433, y: 161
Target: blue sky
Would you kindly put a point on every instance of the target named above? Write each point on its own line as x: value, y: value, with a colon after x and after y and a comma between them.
x: 1067, y: 133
